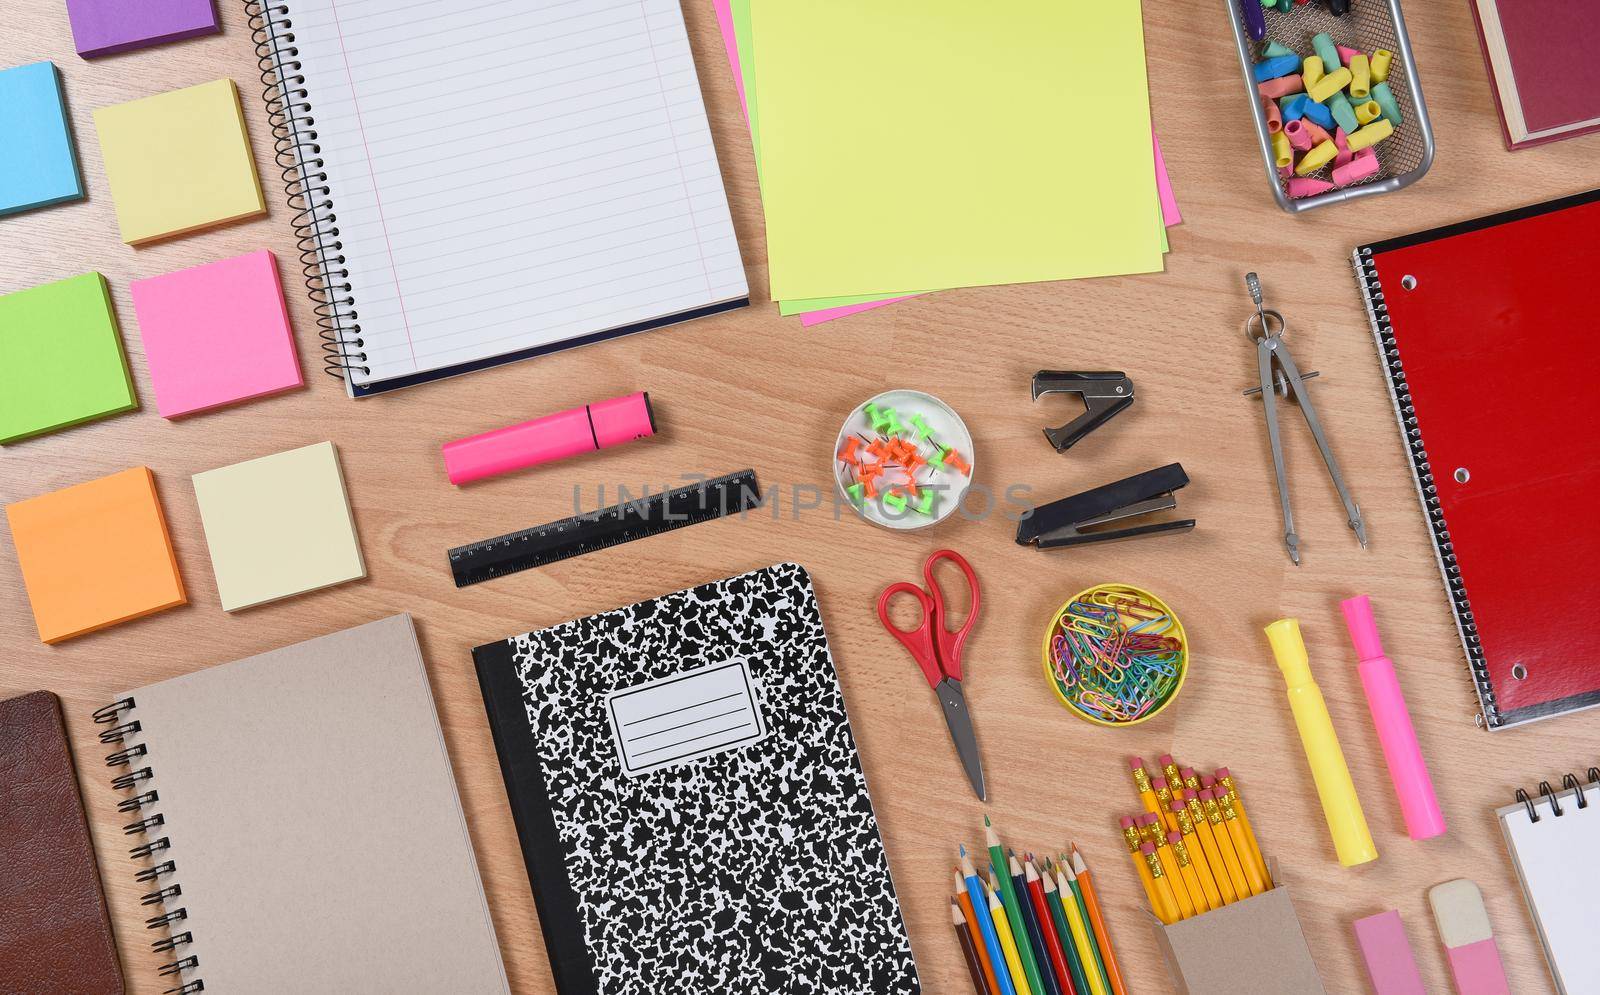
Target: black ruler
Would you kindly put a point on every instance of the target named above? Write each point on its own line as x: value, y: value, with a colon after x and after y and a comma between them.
x: 620, y: 523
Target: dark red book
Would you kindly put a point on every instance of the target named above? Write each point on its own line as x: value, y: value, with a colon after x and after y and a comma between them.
x: 1542, y: 67
x: 1487, y: 334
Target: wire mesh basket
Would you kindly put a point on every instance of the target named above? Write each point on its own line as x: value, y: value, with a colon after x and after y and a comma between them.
x: 1370, y: 25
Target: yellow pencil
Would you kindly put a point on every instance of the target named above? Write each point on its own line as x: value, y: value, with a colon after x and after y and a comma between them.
x: 1213, y: 852
x: 1230, y: 857
x: 1166, y: 907
x: 1186, y: 872
x: 1130, y: 835
x: 1164, y: 798
x: 1169, y: 864
x: 1230, y: 818
x: 1197, y: 856
x: 1169, y: 770
x: 1226, y: 780
x: 1080, y: 933
x: 1141, y: 783
x: 1191, y: 782
x: 1007, y: 943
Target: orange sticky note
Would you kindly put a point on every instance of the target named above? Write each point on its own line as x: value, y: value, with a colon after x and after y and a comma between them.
x: 95, y: 554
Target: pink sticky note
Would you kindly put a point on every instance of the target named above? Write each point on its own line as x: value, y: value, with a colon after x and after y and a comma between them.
x: 216, y: 334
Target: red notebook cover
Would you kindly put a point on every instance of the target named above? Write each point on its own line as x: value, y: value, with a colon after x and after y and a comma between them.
x: 1552, y: 62
x: 1488, y: 334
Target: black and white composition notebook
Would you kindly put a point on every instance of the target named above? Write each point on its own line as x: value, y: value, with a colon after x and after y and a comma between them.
x: 692, y: 810
x: 484, y: 181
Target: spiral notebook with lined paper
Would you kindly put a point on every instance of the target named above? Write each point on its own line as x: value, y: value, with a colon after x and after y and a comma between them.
x: 489, y: 181
x: 294, y: 824
x: 1552, y: 836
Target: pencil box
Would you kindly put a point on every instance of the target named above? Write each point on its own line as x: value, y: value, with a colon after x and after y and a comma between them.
x: 1247, y: 947
x: 1369, y: 25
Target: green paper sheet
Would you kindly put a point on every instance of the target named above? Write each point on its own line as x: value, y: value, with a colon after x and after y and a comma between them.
x: 61, y: 359
x: 954, y: 124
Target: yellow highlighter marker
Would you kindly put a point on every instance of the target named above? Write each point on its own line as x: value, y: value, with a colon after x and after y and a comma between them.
x: 1340, y: 805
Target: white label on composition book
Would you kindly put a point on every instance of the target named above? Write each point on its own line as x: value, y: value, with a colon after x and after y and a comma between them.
x: 685, y: 717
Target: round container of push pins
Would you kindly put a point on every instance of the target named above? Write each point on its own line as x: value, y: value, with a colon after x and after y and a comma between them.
x: 903, y: 460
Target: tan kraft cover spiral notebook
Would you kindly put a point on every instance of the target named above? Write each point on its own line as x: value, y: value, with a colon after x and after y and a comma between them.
x: 301, y: 829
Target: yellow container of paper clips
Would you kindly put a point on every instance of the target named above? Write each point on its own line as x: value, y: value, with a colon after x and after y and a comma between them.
x: 1115, y: 655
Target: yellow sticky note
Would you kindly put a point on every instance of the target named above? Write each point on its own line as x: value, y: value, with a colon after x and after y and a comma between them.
x: 945, y: 143
x: 278, y: 525
x: 179, y: 161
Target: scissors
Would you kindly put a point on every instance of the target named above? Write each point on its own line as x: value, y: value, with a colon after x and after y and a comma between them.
x: 937, y: 651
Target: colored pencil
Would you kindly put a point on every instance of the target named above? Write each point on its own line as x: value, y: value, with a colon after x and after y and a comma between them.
x: 1078, y: 922
x: 986, y: 924
x: 1010, y: 899
x: 1108, y: 955
x: 1030, y: 929
x: 1068, y: 946
x: 965, y: 901
x: 968, y: 950
x: 1008, y: 943
x: 1068, y: 981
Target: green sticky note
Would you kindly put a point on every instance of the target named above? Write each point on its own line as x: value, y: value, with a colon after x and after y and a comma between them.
x: 61, y: 360
x: 959, y: 170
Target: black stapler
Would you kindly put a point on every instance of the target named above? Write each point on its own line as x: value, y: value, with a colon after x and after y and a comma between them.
x: 1104, y: 395
x: 1073, y: 521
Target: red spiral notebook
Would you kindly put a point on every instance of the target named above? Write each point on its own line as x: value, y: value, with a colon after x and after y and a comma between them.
x: 1487, y: 333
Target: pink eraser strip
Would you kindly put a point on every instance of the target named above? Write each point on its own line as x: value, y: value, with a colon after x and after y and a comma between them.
x: 1419, y: 806
x: 1477, y: 969
x: 1390, y: 962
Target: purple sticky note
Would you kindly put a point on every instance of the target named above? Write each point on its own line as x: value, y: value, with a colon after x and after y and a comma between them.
x: 100, y: 27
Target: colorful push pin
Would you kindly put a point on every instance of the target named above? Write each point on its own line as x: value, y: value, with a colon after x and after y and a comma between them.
x: 920, y: 427
x: 869, y: 486
x: 895, y: 501
x: 925, y: 506
x: 883, y: 420
x: 954, y: 459
x: 856, y: 492
x: 848, y: 453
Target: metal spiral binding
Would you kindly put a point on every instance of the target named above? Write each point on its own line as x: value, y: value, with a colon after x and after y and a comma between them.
x: 115, y: 716
x: 1569, y: 782
x: 1366, y: 268
x: 305, y: 182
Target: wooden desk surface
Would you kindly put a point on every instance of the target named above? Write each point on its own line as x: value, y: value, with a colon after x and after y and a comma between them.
x: 753, y: 389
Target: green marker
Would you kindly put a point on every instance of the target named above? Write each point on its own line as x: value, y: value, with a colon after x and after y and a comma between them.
x: 1008, y: 897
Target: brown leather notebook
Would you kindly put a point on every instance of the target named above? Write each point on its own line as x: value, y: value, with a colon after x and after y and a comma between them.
x: 55, y: 938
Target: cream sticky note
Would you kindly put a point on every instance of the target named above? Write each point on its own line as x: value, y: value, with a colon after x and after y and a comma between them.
x: 95, y: 554
x: 216, y: 334
x: 938, y: 146
x: 179, y: 161
x: 61, y: 359
x: 278, y: 525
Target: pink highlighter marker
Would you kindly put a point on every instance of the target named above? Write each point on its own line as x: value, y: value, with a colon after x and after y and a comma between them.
x: 1418, y: 804
x: 565, y: 433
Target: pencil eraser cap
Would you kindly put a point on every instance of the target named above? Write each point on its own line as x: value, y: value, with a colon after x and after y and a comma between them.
x: 1207, y: 794
x: 1207, y: 781
x: 1147, y: 848
x: 1126, y: 822
x: 1158, y: 783
x: 1166, y: 760
x: 1222, y: 772
x: 1134, y: 763
x: 622, y: 419
x: 1176, y: 805
x: 1173, y: 836
x: 1188, y: 772
x: 1148, y: 819
x: 1363, y: 630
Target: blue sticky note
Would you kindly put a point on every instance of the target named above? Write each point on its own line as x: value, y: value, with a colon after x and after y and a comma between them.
x: 39, y: 166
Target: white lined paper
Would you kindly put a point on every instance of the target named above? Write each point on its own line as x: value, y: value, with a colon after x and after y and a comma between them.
x: 687, y: 716
x: 506, y: 176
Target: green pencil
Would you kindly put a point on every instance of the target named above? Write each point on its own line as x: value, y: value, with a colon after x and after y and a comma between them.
x: 1083, y: 910
x: 1075, y: 965
x: 1008, y: 896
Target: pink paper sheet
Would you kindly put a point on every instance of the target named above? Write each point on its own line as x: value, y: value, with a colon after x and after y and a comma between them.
x: 1169, y: 203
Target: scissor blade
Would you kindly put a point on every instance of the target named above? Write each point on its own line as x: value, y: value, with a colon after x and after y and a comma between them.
x: 959, y: 720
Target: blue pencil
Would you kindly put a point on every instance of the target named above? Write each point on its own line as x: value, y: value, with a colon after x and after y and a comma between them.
x: 991, y: 939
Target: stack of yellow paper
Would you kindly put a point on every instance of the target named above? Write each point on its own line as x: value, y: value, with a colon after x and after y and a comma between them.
x: 912, y: 146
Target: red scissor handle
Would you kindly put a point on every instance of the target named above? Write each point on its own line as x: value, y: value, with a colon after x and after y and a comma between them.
x: 936, y: 649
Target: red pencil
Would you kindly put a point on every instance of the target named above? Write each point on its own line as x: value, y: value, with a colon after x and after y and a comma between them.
x: 970, y: 952
x: 1047, y: 926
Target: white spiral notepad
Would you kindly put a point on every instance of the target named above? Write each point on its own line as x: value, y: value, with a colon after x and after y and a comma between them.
x: 490, y: 180
x: 1553, y: 837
